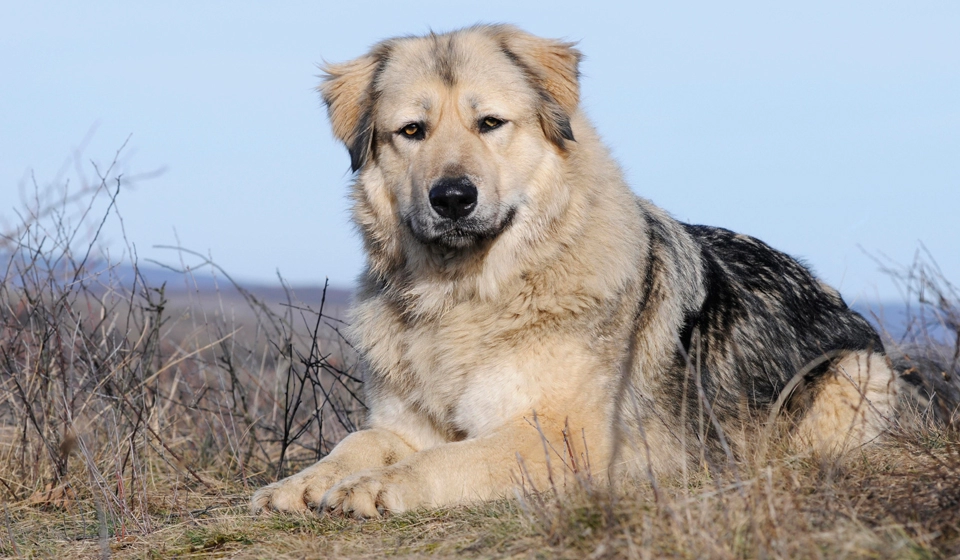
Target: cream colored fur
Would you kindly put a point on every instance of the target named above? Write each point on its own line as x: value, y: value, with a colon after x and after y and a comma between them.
x: 854, y: 405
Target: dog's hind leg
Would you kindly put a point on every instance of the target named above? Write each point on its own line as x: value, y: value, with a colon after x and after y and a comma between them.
x: 853, y: 406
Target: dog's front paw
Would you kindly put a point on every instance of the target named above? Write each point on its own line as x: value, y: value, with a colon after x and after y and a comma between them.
x: 374, y: 493
x: 299, y: 492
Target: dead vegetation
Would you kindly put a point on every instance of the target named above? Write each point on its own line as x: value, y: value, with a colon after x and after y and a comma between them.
x: 136, y: 420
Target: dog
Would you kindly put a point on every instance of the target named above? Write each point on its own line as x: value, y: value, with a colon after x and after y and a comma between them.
x: 519, y: 301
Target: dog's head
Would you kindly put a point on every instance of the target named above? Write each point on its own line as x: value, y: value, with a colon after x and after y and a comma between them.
x: 449, y: 132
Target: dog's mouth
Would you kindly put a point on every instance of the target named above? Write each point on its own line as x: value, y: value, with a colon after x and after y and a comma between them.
x: 462, y: 233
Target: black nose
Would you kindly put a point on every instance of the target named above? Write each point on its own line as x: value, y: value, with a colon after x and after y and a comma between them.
x: 453, y: 197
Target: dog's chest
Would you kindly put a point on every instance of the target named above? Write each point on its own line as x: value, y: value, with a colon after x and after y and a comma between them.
x: 469, y: 370
x: 480, y: 365
x: 468, y: 377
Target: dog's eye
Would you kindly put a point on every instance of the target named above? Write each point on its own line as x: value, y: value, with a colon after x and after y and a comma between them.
x: 413, y: 131
x: 490, y: 123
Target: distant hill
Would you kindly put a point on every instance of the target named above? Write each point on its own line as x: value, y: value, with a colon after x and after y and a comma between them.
x: 206, y: 280
x: 203, y: 280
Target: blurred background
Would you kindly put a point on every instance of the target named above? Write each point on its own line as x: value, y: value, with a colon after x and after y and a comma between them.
x: 830, y: 130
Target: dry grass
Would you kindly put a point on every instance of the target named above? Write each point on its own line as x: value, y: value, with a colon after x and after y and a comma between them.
x: 900, y: 501
x: 135, y: 422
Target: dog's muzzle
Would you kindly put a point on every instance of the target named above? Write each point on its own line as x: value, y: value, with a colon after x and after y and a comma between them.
x: 453, y: 197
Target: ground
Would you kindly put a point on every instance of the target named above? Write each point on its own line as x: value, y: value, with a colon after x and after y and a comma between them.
x: 901, y: 500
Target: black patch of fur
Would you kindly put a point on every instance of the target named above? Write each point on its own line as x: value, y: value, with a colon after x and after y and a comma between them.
x: 554, y: 120
x: 445, y: 58
x: 765, y: 317
x: 654, y: 233
x: 362, y: 146
x: 762, y: 319
x: 690, y: 321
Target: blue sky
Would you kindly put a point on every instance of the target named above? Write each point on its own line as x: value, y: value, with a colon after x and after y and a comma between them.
x: 827, y: 129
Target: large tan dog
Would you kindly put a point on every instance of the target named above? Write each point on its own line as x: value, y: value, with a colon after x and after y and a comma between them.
x: 522, y: 308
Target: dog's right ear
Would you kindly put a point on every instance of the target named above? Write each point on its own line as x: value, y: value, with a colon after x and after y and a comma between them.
x: 348, y: 91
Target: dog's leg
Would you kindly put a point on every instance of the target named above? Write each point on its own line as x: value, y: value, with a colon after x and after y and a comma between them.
x: 853, y: 407
x: 361, y: 450
x: 466, y: 471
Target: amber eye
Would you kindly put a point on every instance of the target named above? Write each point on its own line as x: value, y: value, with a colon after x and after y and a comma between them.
x: 490, y: 123
x: 413, y: 131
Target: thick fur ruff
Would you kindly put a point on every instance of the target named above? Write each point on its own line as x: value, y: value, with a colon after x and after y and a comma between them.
x: 520, y: 301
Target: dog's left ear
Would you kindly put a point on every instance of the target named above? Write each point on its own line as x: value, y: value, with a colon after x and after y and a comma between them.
x: 552, y: 67
x: 348, y: 91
